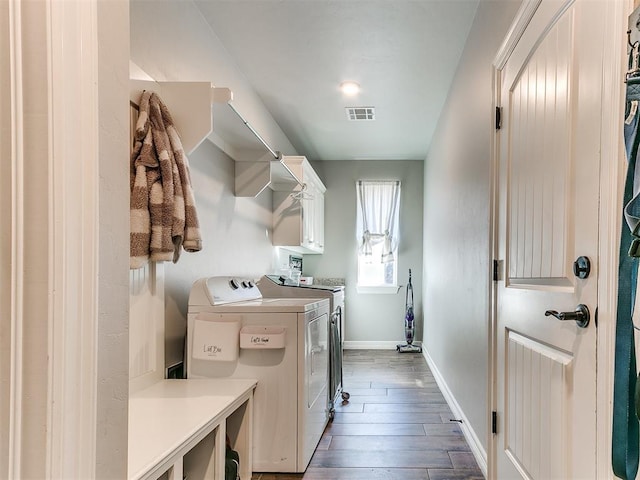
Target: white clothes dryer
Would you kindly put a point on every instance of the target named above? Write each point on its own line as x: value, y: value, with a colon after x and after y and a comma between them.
x: 279, y: 286
x: 282, y: 343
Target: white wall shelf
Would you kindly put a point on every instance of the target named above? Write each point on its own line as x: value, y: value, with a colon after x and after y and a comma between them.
x: 253, y: 177
x: 189, y: 104
x: 202, y: 111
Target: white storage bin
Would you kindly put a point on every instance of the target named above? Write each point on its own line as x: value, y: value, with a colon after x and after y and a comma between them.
x: 253, y: 336
x: 215, y: 337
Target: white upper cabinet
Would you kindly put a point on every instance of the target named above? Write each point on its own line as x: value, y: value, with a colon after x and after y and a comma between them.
x: 298, y: 215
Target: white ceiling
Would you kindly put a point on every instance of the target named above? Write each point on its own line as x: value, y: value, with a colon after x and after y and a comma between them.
x: 295, y: 53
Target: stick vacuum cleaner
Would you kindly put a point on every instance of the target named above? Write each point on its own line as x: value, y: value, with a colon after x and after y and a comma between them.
x: 409, y: 323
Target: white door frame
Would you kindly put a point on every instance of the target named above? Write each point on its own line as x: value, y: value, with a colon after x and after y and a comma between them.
x: 612, y: 181
x: 74, y: 218
x: 64, y: 131
x: 611, y: 189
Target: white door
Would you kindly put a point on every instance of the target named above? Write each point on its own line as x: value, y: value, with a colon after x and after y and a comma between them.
x: 549, y: 150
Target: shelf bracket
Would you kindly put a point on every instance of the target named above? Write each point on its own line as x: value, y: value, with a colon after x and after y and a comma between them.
x: 189, y: 104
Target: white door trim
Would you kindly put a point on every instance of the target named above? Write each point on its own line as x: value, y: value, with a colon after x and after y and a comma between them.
x: 17, y: 254
x: 611, y: 188
x: 519, y: 24
x: 611, y: 192
x: 73, y: 242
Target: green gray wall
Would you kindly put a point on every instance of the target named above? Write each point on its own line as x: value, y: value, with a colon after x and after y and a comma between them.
x: 457, y: 255
x: 372, y: 320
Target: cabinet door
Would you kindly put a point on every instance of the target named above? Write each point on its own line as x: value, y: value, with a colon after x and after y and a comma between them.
x: 313, y: 218
x: 308, y: 219
x: 318, y: 229
x: 298, y: 223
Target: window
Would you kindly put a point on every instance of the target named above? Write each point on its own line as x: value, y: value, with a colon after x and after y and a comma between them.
x: 377, y: 226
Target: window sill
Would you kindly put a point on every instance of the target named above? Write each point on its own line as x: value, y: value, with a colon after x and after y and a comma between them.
x: 387, y: 289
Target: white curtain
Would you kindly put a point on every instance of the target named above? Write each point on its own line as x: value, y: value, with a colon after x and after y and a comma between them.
x: 378, y: 217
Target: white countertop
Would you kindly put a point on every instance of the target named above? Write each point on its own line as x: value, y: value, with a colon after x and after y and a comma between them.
x: 165, y: 416
x: 264, y: 305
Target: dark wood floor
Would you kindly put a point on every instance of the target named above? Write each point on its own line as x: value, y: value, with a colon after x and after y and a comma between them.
x: 395, y: 426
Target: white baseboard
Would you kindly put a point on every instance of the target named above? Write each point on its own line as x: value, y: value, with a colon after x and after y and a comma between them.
x: 376, y: 345
x: 469, y: 433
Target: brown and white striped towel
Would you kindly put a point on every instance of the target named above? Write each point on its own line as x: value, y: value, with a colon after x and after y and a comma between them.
x: 163, y: 214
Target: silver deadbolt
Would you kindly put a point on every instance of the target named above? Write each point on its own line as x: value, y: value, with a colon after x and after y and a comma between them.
x: 580, y: 315
x: 582, y: 267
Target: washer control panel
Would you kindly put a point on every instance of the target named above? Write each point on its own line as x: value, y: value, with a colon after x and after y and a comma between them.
x: 231, y: 289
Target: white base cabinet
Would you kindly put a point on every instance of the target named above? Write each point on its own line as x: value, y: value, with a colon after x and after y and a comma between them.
x: 177, y: 429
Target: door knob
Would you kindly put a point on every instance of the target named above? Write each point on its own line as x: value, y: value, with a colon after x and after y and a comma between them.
x: 580, y: 315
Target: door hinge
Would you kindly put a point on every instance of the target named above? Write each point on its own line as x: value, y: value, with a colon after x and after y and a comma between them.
x: 498, y: 118
x: 496, y: 266
x: 494, y: 422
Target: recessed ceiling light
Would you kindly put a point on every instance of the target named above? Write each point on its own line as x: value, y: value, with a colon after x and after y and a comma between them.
x: 349, y: 88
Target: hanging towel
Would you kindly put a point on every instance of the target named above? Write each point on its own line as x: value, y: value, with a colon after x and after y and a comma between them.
x: 186, y: 231
x: 144, y: 164
x: 163, y: 214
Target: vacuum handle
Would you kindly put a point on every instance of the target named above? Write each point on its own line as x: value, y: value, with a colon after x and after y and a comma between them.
x: 409, y: 290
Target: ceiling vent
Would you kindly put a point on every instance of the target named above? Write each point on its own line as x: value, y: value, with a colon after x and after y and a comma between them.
x: 358, y: 114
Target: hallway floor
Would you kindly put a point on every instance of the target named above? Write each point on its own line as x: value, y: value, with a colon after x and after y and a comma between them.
x: 395, y: 426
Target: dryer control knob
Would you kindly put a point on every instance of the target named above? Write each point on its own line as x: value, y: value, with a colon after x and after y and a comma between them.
x: 233, y: 283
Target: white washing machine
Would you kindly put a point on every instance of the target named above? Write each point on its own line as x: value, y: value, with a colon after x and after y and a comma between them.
x: 282, y: 343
